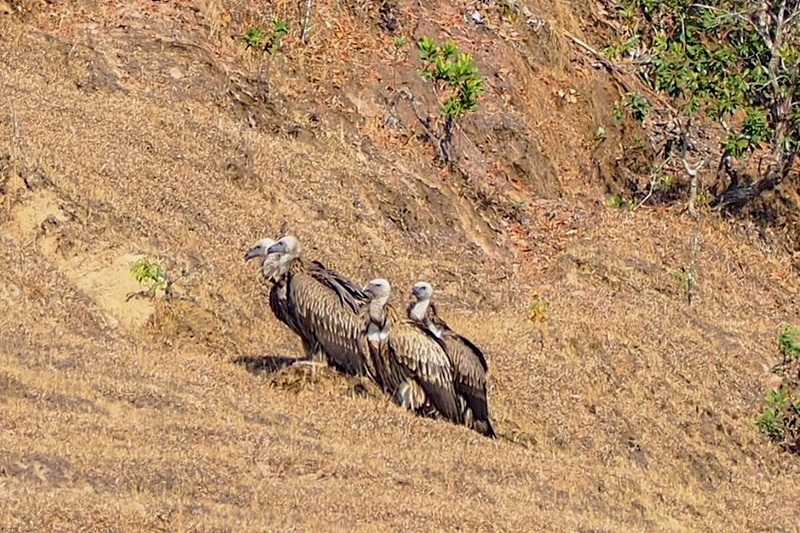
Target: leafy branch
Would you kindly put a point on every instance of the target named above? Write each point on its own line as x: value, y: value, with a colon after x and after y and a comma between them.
x: 731, y: 61
x: 267, y: 41
x: 155, y: 279
x: 780, y: 421
x: 456, y: 81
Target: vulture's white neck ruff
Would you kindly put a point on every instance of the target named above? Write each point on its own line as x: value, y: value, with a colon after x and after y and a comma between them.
x: 420, y: 309
x: 377, y: 311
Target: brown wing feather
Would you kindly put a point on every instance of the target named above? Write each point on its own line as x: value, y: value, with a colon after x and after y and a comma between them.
x: 440, y: 324
x: 469, y: 371
x: 365, y: 349
x: 279, y: 305
x: 469, y: 380
x: 319, y: 311
x: 349, y: 294
x: 466, y: 365
x: 424, y: 359
x: 355, y: 292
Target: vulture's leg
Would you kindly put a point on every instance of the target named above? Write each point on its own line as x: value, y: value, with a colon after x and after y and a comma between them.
x: 313, y: 352
x: 318, y: 355
x: 315, y: 356
x: 309, y: 362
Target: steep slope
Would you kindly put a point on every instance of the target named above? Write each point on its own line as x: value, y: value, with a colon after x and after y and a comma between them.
x: 144, y: 129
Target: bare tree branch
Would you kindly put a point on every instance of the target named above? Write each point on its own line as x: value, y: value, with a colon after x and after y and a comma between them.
x: 692, y: 172
x: 306, y: 20
x: 775, y: 49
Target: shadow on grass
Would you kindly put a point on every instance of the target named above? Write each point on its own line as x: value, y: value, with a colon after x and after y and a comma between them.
x: 284, y: 373
x: 264, y: 364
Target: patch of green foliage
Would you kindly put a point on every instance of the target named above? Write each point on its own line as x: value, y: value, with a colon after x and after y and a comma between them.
x: 687, y: 277
x: 269, y: 41
x: 399, y: 42
x: 633, y: 105
x: 732, y: 61
x: 254, y: 37
x: 279, y: 30
x: 539, y: 309
x: 637, y: 106
x: 457, y: 83
x: 150, y: 274
x: 620, y: 202
x: 780, y: 421
x: 453, y: 73
x: 621, y: 46
x: 790, y: 343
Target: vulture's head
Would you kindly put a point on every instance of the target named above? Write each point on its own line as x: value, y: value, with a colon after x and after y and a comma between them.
x: 272, y: 264
x: 378, y: 290
x: 422, y: 290
x: 287, y: 245
x: 260, y: 249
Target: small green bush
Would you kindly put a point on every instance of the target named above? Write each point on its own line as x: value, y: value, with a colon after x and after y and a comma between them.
x: 254, y: 37
x: 150, y: 274
x: 457, y: 83
x: 454, y: 73
x: 780, y: 421
x: 620, y: 202
x: 268, y: 41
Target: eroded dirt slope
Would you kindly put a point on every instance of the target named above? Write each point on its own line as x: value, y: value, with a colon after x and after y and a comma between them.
x: 144, y: 129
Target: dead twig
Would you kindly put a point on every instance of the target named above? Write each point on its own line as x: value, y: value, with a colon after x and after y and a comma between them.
x: 692, y: 172
x: 139, y: 295
x: 691, y: 275
x: 653, y: 179
x: 306, y: 20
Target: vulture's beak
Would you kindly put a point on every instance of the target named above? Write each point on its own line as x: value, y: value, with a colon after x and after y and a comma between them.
x: 252, y: 254
x: 277, y: 248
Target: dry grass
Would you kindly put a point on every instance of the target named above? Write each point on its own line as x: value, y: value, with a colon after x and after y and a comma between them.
x: 624, y: 409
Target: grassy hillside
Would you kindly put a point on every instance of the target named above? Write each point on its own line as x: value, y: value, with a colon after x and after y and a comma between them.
x: 146, y: 129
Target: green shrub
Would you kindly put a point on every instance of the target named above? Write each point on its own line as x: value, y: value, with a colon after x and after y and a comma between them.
x: 780, y: 421
x: 457, y: 83
x: 267, y: 41
x: 454, y: 74
x: 254, y: 37
x: 150, y: 274
x: 736, y: 62
x: 620, y: 202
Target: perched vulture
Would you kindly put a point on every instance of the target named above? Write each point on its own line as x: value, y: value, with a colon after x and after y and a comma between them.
x: 271, y: 266
x: 406, y: 360
x: 469, y: 363
x: 324, y: 306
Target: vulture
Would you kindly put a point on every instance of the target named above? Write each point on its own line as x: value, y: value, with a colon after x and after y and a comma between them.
x: 469, y: 363
x: 407, y: 361
x: 323, y: 307
x: 271, y: 266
